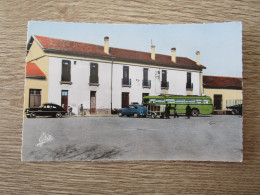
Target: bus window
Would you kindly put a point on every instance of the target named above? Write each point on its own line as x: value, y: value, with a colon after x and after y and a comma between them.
x: 206, y: 101
x: 180, y: 101
x: 152, y: 101
x: 170, y: 101
x: 159, y: 101
x: 190, y: 101
x: 199, y: 101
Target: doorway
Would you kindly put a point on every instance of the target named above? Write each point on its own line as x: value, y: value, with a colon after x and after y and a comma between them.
x: 217, y: 102
x: 125, y: 99
x: 35, y: 98
x: 93, y: 109
x: 64, y: 99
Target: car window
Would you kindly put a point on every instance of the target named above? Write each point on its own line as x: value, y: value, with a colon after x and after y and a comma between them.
x: 54, y: 107
x: 48, y: 106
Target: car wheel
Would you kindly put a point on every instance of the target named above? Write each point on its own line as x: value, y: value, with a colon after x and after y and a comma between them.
x: 195, y: 112
x: 58, y: 115
x: 32, y: 115
x: 28, y: 116
x: 234, y: 112
x: 153, y: 115
x: 135, y: 115
x: 120, y: 114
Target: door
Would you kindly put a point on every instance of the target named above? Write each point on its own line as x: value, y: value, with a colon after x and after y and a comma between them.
x: 35, y: 98
x: 217, y: 102
x: 125, y: 99
x: 64, y: 99
x: 93, y: 109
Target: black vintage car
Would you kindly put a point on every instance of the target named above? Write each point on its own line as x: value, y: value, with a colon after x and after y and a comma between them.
x: 47, y: 109
x: 236, y: 109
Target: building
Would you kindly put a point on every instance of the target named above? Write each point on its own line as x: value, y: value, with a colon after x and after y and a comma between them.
x: 94, y: 79
x: 224, y: 91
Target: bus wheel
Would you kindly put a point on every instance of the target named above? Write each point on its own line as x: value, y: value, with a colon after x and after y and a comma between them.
x: 135, y: 115
x: 153, y: 115
x: 194, y: 112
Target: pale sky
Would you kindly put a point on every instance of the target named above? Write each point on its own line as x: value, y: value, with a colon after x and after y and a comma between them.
x: 220, y: 44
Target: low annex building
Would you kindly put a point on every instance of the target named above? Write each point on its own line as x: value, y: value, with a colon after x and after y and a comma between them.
x: 94, y: 79
x: 224, y: 91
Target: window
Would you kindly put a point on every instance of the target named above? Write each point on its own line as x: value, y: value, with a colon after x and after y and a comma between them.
x: 164, y: 83
x: 93, y: 79
x: 146, y: 82
x: 189, y: 85
x: 206, y: 101
x: 179, y: 101
x: 190, y: 101
x: 199, y: 101
x: 170, y: 101
x: 126, y: 81
x: 65, y: 75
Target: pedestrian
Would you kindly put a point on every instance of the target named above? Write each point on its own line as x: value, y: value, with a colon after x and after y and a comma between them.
x: 188, y: 111
x: 167, y: 111
x: 175, y: 113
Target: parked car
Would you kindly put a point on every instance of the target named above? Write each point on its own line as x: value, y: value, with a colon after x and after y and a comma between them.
x: 47, y: 109
x: 236, y: 109
x: 133, y: 110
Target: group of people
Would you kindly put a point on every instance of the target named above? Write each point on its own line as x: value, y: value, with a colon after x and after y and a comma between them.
x: 175, y: 113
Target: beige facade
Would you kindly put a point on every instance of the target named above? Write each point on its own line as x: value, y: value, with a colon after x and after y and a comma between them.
x: 37, y: 56
x: 227, y: 95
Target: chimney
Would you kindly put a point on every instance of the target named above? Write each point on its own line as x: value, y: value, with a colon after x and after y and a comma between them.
x: 106, y: 45
x: 153, y: 52
x: 173, y: 56
x: 198, y: 57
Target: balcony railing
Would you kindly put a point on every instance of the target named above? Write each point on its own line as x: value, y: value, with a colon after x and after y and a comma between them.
x: 165, y: 85
x: 189, y: 86
x: 93, y: 81
x: 147, y: 83
x: 126, y: 82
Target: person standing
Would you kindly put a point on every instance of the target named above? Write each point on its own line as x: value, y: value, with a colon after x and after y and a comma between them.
x: 188, y: 111
x: 167, y: 111
x: 175, y: 113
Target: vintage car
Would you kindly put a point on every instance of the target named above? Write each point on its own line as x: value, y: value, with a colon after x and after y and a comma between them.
x: 133, y: 110
x: 236, y: 109
x: 47, y: 109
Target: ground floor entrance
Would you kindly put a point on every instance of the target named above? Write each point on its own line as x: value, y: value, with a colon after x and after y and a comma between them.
x: 125, y: 99
x: 93, y: 108
x: 217, y: 101
x: 34, y: 98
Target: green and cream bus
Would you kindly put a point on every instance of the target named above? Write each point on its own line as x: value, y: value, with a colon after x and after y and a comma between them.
x: 198, y: 104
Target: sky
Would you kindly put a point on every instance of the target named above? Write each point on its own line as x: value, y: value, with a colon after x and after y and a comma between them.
x: 220, y: 44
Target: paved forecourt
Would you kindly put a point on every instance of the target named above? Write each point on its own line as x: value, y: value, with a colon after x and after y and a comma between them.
x: 214, y: 138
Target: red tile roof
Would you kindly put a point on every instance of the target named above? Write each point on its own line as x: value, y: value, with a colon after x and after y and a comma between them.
x: 52, y: 44
x: 222, y: 82
x: 32, y: 70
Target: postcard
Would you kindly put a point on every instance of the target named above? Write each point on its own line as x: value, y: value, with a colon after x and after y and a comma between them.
x: 126, y: 92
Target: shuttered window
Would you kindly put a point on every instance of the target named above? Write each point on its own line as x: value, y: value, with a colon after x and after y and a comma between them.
x: 66, y: 66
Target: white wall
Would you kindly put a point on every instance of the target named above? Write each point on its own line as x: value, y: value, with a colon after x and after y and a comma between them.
x: 79, y: 90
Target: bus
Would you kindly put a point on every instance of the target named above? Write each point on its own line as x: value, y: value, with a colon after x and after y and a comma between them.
x: 199, y: 104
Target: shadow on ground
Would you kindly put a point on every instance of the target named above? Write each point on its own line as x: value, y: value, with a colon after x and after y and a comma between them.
x: 76, y: 153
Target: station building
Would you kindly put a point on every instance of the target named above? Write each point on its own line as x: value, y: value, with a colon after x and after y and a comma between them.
x: 95, y: 79
x: 224, y: 91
